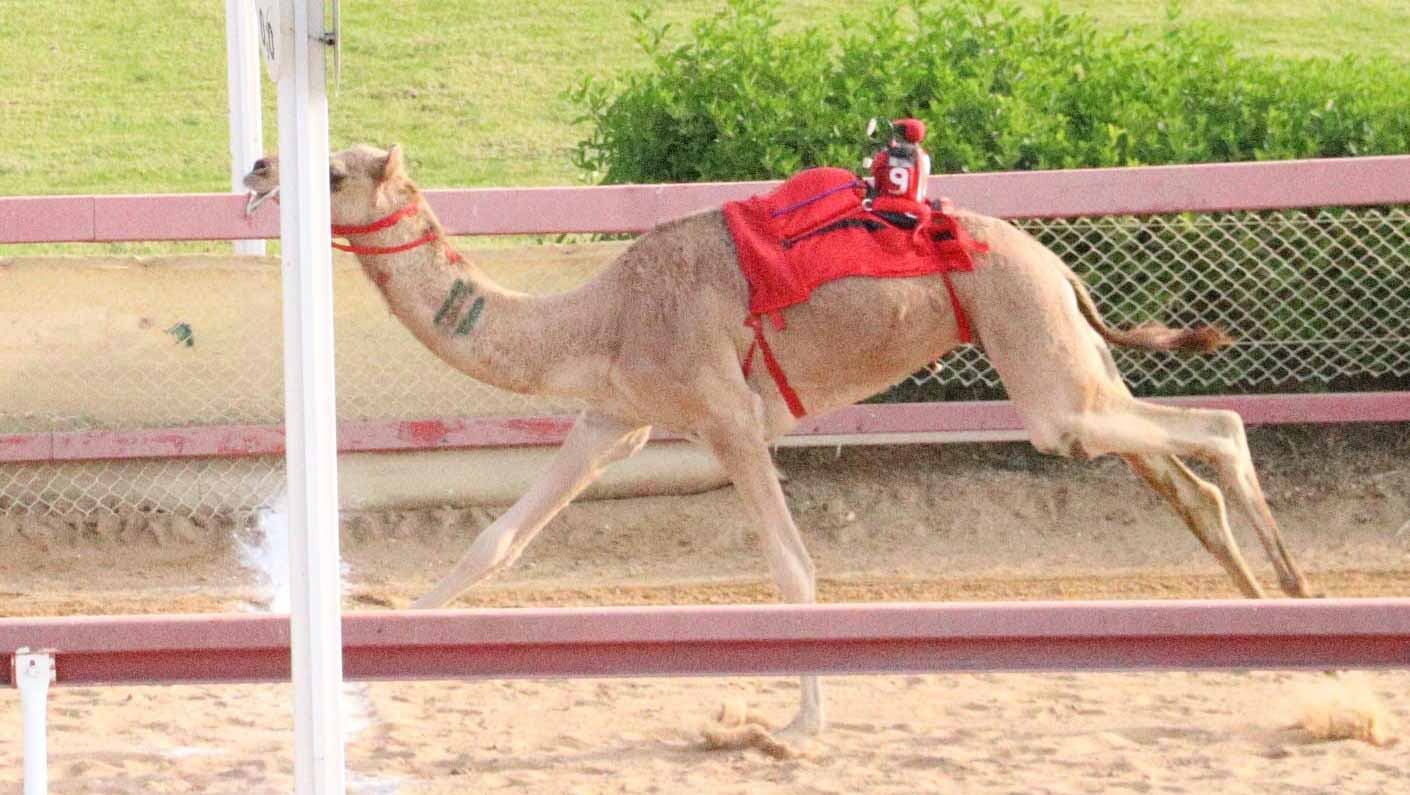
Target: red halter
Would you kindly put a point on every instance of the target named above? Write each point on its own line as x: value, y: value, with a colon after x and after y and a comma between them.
x: 406, y: 212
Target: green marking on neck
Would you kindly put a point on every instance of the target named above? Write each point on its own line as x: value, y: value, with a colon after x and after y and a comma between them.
x: 451, y: 306
x: 471, y: 316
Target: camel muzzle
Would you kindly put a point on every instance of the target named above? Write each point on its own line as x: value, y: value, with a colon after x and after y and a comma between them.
x: 255, y: 199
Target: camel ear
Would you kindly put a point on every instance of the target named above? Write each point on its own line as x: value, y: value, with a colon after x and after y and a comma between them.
x: 392, y: 166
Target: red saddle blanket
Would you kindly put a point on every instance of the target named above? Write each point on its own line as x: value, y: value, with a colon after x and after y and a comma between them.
x: 814, y: 228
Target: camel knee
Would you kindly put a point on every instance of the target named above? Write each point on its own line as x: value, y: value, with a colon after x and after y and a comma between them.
x: 1065, y: 437
x: 1227, y: 428
x: 594, y: 460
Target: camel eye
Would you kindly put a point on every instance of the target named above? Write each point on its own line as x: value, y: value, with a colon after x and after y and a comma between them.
x: 336, y: 179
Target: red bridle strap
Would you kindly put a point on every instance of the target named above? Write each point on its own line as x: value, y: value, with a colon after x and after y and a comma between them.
x: 420, y: 241
x: 406, y: 212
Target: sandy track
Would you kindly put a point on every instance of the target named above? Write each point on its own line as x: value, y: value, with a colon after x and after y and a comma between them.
x: 864, y: 589
x: 992, y: 733
x: 1351, y: 582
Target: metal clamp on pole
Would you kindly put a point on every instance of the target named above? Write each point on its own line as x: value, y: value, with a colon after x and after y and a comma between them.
x: 334, y: 38
x: 32, y: 672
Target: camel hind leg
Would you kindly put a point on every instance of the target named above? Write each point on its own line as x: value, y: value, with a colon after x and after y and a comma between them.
x: 1065, y: 385
x: 1201, y: 506
x: 1142, y: 431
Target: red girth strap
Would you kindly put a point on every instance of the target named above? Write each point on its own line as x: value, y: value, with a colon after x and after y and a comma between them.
x: 775, y: 369
x: 795, y: 405
x: 961, y: 319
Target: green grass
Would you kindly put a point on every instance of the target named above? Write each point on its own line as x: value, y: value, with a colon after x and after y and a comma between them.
x: 129, y: 97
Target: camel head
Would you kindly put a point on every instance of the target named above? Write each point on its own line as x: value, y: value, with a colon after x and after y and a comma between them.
x: 364, y: 183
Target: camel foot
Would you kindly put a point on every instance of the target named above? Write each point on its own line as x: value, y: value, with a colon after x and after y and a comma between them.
x: 428, y: 602
x: 802, y: 729
x: 1296, y: 586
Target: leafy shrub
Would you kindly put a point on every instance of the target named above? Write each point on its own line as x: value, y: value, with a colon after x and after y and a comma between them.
x: 1002, y: 90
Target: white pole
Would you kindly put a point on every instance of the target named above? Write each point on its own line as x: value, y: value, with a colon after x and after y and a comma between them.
x: 309, y: 409
x: 246, y: 116
x: 32, y: 675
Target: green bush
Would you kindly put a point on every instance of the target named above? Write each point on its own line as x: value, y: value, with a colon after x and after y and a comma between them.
x: 1000, y: 89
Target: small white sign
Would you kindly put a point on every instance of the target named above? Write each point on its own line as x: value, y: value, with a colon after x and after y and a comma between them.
x: 274, y: 32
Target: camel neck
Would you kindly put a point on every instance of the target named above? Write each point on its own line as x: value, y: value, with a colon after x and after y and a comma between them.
x: 511, y: 340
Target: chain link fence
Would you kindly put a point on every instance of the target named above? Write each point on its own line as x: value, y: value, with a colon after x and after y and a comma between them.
x: 1318, y: 299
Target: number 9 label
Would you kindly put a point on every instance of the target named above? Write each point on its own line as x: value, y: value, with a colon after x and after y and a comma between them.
x: 900, y: 179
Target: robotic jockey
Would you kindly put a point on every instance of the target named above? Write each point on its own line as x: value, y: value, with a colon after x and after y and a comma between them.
x: 899, y: 173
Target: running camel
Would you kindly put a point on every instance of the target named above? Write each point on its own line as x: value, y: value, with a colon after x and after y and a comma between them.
x: 656, y: 340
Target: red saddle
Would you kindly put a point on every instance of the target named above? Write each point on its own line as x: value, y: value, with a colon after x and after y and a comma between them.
x: 815, y: 228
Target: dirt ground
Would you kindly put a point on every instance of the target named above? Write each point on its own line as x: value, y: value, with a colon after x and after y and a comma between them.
x: 899, y: 523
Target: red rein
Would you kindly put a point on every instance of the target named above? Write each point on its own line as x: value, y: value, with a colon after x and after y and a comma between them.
x: 406, y: 212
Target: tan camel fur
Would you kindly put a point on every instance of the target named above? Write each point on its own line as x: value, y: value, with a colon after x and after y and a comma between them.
x: 656, y: 340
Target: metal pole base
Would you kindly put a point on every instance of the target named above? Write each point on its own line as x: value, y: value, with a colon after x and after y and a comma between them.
x: 33, y: 671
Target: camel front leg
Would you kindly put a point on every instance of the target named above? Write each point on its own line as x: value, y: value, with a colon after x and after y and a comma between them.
x: 594, y: 442
x: 745, y: 456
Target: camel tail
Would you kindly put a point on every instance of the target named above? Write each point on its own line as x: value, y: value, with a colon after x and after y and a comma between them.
x: 1148, y: 336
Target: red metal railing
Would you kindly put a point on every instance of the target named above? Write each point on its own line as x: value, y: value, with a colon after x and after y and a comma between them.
x: 737, y: 640
x: 895, y: 421
x: 1217, y: 187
